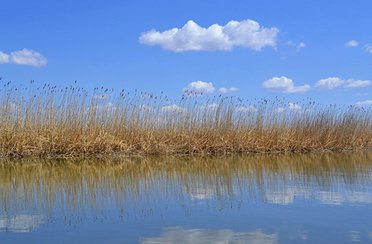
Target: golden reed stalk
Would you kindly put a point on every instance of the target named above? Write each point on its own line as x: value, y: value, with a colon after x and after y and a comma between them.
x: 48, y: 121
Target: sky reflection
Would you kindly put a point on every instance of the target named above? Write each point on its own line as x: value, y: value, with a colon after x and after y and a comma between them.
x: 257, y: 199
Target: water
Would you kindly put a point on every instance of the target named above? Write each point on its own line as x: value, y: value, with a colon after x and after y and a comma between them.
x: 315, y: 198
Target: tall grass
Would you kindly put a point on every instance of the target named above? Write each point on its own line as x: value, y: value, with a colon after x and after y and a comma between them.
x: 70, y: 121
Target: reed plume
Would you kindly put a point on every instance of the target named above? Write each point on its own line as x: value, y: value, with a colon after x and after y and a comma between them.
x: 48, y: 121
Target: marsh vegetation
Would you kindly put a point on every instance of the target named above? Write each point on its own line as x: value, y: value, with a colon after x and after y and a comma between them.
x: 46, y: 120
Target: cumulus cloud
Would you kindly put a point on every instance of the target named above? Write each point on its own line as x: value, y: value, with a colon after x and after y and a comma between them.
x: 199, y: 87
x: 4, y: 58
x: 193, y: 37
x: 209, y: 107
x: 28, y: 57
x: 280, y: 110
x: 284, y: 84
x: 225, y: 90
x: 24, y: 57
x: 246, y: 109
x: 173, y: 109
x: 368, y: 47
x: 357, y: 83
x: 352, y: 43
x: 334, y: 82
x: 294, y: 107
x: 329, y: 83
x: 364, y: 103
x: 105, y: 108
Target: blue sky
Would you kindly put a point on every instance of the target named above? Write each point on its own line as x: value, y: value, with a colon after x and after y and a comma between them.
x: 317, y: 49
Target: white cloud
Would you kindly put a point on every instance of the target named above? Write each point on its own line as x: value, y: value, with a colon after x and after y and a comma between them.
x: 228, y: 90
x: 334, y: 82
x: 291, y: 107
x: 357, y: 83
x: 209, y: 107
x: 28, y: 57
x: 199, y: 87
x: 352, y: 43
x: 105, y: 108
x: 246, y: 109
x: 4, y: 58
x: 364, y: 103
x: 173, y: 109
x: 192, y: 37
x: 368, y: 47
x: 280, y: 110
x: 329, y: 83
x: 294, y: 107
x: 300, y: 46
x: 284, y: 84
x: 23, y: 57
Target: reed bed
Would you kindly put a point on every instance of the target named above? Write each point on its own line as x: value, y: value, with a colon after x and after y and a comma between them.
x: 50, y: 121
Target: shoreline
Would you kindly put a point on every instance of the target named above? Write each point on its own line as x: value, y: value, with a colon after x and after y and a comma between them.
x: 120, y: 155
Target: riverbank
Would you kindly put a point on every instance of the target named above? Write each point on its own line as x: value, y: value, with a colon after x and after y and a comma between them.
x: 70, y: 122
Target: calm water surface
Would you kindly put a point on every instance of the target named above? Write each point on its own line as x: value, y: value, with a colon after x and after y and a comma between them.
x: 316, y: 198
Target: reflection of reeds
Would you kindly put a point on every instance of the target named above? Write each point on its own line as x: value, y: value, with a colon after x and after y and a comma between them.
x: 81, y: 185
x: 48, y: 121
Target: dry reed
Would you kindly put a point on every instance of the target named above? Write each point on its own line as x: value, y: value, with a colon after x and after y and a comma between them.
x: 47, y: 121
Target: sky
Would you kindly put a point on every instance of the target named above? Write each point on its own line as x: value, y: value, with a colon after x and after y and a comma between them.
x: 251, y: 49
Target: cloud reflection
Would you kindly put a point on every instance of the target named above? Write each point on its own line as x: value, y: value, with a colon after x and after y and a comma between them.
x: 20, y: 223
x: 75, y: 186
x: 195, y: 236
x: 201, y: 193
x: 332, y: 197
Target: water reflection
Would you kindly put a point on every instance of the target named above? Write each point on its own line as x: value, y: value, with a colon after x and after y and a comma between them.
x: 181, y: 235
x: 20, y: 223
x: 256, y: 199
x: 354, y: 236
x: 81, y: 185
